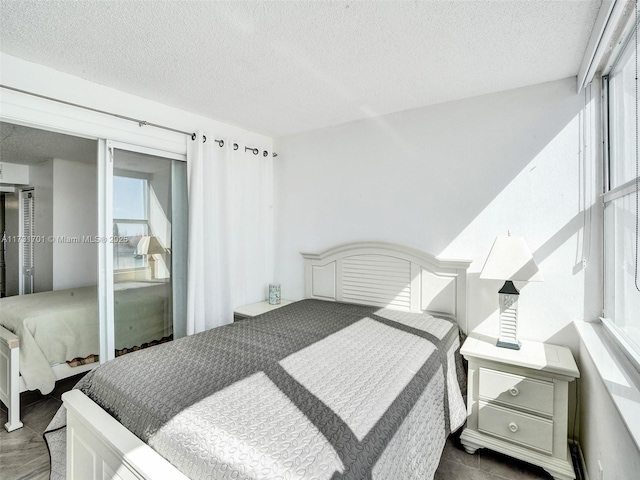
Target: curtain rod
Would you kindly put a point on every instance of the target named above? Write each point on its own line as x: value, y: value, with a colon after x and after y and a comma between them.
x: 142, y: 123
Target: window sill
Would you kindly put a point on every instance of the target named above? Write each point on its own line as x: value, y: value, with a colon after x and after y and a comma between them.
x: 620, y: 377
x: 623, y: 341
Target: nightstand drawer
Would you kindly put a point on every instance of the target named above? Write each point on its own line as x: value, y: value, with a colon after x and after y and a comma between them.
x: 517, y: 427
x: 523, y: 392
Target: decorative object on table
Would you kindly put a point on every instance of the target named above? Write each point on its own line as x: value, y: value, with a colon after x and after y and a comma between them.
x: 274, y: 294
x: 510, y: 259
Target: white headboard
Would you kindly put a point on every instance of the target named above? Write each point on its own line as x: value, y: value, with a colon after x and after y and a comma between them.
x: 389, y: 275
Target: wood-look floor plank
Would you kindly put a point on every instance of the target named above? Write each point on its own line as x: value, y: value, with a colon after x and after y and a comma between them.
x: 19, y: 449
x: 38, y: 415
x: 37, y: 469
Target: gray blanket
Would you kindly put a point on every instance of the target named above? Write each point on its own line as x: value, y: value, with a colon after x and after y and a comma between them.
x: 311, y: 390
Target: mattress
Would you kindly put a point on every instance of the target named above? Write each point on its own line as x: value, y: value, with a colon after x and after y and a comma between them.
x: 60, y: 325
x: 312, y: 390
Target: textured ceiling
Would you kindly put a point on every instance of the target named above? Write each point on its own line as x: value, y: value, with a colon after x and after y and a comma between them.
x: 285, y: 67
x: 28, y: 146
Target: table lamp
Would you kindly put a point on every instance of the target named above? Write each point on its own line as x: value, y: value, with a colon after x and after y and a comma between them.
x: 149, y: 245
x: 510, y: 259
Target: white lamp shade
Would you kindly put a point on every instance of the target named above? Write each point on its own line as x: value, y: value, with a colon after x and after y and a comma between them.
x: 511, y: 259
x: 150, y: 245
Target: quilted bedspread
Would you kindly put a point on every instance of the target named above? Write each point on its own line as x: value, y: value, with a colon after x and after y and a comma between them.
x: 312, y: 390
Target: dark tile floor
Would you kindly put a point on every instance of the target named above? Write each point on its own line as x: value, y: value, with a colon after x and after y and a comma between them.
x: 456, y: 464
x: 24, y: 455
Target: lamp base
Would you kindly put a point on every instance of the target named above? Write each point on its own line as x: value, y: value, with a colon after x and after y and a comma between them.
x: 508, y: 296
x: 152, y: 267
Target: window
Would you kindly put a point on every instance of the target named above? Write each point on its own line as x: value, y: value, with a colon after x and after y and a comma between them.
x: 130, y: 221
x: 622, y: 293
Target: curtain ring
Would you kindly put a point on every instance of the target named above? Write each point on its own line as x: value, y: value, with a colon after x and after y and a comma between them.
x: 235, y: 146
x: 265, y: 154
x: 220, y: 142
x: 193, y: 137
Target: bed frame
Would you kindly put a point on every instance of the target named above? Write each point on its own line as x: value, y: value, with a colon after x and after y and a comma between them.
x: 369, y: 273
x: 12, y: 384
x: 389, y: 275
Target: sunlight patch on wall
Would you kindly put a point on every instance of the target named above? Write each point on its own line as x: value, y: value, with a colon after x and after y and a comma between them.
x: 544, y: 204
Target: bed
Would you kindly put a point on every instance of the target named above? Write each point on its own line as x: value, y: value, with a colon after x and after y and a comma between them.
x: 40, y: 332
x: 360, y: 380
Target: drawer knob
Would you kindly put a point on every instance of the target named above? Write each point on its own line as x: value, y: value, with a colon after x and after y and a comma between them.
x: 513, y: 427
x: 514, y: 391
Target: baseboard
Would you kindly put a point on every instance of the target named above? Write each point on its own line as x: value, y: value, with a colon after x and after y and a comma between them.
x: 578, y: 460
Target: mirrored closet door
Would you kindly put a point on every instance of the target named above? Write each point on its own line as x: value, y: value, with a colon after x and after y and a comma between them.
x: 93, y: 250
x: 48, y: 256
x: 145, y: 223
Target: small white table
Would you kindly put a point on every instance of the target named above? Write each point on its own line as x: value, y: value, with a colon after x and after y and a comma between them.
x: 255, y: 309
x: 517, y: 402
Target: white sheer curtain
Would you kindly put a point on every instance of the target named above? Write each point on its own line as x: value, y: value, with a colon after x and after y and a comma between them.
x: 251, y: 224
x: 230, y: 230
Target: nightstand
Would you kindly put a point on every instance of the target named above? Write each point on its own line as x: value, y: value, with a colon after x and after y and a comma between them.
x: 517, y: 402
x: 249, y: 311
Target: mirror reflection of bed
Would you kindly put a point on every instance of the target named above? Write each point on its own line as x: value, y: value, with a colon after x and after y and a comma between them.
x: 142, y: 235
x: 49, y: 254
x: 49, y: 296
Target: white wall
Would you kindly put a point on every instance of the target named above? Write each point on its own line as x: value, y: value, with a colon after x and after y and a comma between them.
x: 75, y: 214
x: 448, y: 179
x: 604, y: 437
x: 66, y: 206
x: 160, y: 205
x: 160, y: 216
x: 41, y: 179
x: 14, y: 174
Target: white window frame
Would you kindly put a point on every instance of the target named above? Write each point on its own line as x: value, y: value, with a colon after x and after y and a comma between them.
x: 621, y: 339
x: 145, y: 220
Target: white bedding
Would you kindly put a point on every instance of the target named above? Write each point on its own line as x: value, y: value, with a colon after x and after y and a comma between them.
x: 57, y: 326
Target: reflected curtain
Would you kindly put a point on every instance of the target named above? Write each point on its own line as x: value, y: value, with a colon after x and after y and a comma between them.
x: 230, y: 231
